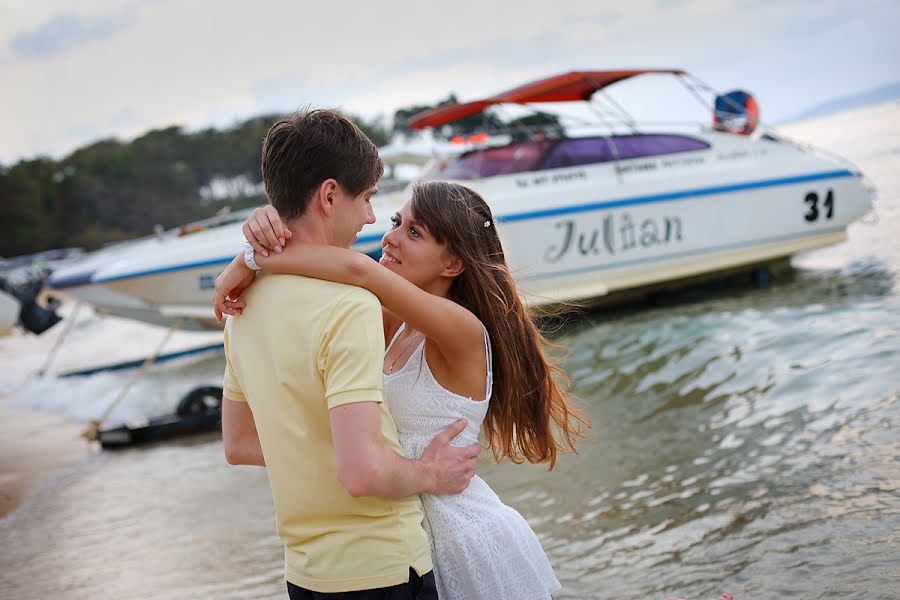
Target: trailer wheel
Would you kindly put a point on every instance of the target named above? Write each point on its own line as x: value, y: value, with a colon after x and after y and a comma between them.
x: 200, y: 400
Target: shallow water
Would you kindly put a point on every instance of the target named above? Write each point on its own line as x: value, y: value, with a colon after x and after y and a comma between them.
x: 744, y: 440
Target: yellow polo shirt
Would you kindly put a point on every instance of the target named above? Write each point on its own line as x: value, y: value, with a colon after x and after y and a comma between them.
x: 302, y: 347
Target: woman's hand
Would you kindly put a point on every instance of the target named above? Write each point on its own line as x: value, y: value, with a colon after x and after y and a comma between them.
x: 265, y: 231
x: 230, y: 284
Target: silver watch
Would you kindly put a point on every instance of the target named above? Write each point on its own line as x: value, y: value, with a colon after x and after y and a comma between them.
x: 248, y: 257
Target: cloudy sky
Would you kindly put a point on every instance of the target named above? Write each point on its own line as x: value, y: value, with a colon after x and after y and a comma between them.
x: 73, y: 72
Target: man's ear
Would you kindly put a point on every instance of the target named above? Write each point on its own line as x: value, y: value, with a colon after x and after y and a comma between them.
x: 453, y: 266
x: 325, y: 195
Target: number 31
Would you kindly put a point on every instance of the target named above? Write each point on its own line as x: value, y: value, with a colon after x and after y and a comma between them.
x: 812, y: 201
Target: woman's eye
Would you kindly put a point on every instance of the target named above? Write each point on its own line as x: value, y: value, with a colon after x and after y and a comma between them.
x: 395, y: 221
x: 413, y: 231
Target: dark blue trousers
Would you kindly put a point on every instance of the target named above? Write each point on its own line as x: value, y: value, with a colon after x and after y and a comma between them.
x: 418, y: 588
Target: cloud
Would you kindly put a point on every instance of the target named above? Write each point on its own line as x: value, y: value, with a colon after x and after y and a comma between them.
x: 68, y: 31
x: 202, y: 62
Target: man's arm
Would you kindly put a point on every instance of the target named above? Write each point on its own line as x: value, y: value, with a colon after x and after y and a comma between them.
x: 367, y: 467
x: 351, y: 354
x: 239, y: 434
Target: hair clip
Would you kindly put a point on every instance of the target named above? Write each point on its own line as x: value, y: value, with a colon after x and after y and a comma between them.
x: 487, y: 223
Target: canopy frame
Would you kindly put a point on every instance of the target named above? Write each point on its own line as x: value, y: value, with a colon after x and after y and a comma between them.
x: 568, y: 87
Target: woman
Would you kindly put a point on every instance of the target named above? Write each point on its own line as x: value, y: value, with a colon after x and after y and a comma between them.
x: 461, y: 345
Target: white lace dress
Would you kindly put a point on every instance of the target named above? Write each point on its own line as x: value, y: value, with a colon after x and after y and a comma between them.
x: 481, y: 548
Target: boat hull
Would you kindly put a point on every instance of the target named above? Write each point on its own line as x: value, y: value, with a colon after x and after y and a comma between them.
x: 596, y: 248
x: 570, y: 233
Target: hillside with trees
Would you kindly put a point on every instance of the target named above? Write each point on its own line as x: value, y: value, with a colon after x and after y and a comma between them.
x: 112, y: 190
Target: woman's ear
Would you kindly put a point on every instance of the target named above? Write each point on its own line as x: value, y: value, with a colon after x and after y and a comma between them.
x: 453, y: 266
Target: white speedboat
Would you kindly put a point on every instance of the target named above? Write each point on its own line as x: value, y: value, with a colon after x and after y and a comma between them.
x: 580, y: 216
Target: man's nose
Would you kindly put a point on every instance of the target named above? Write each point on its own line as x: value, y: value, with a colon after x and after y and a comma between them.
x: 370, y: 215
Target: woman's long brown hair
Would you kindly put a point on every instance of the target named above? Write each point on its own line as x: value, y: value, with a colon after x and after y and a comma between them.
x: 528, y: 401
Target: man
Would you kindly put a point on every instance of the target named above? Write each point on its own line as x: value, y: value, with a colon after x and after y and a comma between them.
x: 303, y: 388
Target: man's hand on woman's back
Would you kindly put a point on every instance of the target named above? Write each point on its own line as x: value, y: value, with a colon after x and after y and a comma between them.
x: 450, y: 468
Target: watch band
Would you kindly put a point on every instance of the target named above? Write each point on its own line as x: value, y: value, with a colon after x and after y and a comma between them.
x: 249, y: 259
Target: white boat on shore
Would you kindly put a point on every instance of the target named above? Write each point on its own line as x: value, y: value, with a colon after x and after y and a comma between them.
x: 607, y: 211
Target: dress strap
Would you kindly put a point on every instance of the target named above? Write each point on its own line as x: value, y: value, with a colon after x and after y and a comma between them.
x: 394, y: 339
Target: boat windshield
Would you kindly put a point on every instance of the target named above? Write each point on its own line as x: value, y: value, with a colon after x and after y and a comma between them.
x: 539, y: 155
x: 517, y: 157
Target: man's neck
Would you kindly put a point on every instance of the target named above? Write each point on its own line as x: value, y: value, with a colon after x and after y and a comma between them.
x: 307, y: 230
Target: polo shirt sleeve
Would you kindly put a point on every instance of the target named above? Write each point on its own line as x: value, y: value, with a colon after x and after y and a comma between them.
x: 231, y: 389
x: 351, y: 350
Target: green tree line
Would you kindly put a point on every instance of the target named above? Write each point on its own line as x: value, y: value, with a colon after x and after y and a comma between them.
x: 112, y: 190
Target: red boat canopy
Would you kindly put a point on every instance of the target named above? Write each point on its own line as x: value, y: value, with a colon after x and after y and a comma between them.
x: 568, y: 87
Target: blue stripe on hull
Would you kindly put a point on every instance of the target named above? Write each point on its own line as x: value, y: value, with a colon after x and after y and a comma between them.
x: 722, y: 189
x: 72, y: 280
x: 185, y: 267
x: 217, y: 347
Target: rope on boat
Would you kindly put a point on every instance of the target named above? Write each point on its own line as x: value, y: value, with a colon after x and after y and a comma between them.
x: 51, y: 356
x: 93, y: 428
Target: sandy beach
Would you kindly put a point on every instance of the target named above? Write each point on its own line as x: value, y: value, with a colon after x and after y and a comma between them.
x: 41, y: 420
x: 33, y: 445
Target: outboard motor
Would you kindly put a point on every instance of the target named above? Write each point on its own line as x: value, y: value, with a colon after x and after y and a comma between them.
x: 32, y: 316
x: 736, y: 112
